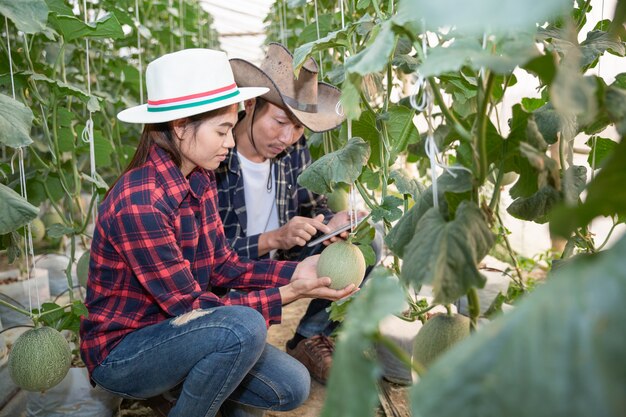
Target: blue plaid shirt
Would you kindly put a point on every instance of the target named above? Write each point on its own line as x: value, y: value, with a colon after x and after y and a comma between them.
x: 291, y: 199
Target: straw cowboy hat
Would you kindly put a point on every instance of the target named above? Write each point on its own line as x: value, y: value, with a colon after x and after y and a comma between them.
x: 313, y: 103
x: 186, y: 83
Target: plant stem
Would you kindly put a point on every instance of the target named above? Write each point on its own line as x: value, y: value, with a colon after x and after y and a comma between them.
x: 366, y: 198
x: 608, y: 235
x: 473, y: 303
x: 447, y: 114
x: 482, y: 129
x: 520, y: 280
x: 53, y: 310
x: 12, y: 307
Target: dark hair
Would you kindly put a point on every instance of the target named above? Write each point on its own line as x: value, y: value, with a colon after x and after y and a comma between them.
x: 163, y: 135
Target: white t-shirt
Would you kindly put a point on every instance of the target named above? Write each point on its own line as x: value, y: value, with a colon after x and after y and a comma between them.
x: 261, y: 211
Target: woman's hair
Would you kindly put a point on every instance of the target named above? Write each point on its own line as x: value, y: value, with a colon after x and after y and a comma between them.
x: 164, y: 136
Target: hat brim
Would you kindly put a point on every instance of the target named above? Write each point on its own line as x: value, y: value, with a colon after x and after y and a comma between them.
x: 326, y: 117
x: 140, y: 114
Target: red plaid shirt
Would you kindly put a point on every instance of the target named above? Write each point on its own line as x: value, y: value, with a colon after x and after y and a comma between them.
x: 158, y: 249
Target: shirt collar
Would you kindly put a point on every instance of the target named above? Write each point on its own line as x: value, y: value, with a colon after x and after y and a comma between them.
x: 176, y: 185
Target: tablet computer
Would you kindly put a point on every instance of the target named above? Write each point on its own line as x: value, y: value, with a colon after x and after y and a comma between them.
x: 335, y: 232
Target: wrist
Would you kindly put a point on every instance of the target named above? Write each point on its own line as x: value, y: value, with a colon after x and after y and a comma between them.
x: 287, y: 294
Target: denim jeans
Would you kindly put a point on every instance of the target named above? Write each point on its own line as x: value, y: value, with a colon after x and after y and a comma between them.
x: 221, y: 358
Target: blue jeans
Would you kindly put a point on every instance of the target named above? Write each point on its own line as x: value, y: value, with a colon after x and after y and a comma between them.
x: 221, y: 358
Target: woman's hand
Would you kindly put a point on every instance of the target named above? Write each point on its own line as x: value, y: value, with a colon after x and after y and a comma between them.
x: 306, y: 284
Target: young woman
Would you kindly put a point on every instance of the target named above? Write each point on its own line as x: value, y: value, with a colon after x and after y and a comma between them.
x: 159, y: 248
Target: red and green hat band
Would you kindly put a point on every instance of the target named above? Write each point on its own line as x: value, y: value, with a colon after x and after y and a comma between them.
x: 193, y: 100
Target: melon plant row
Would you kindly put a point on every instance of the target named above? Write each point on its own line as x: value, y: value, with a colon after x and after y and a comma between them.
x: 466, y: 55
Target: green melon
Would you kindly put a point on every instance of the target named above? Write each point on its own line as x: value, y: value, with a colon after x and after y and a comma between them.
x: 82, y: 269
x: 438, y: 334
x: 51, y: 217
x: 39, y: 359
x: 37, y: 230
x: 338, y: 200
x: 344, y: 263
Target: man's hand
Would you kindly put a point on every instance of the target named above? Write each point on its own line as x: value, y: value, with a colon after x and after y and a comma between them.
x: 339, y: 219
x: 297, y: 232
x: 306, y: 284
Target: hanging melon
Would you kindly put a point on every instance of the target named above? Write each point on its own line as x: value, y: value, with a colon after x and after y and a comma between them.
x: 437, y: 335
x: 344, y: 263
x: 39, y: 359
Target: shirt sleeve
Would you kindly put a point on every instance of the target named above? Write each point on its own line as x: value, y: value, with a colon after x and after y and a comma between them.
x: 145, y: 238
x: 246, y: 246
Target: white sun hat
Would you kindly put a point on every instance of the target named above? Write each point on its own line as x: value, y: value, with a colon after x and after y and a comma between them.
x: 186, y: 83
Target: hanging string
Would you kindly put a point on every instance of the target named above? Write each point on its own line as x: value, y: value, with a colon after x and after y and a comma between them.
x: 87, y: 134
x: 199, y: 25
x: 317, y: 27
x: 138, y: 24
x: 284, y: 6
x: 28, y: 238
x: 352, y: 202
x: 171, y: 24
x: 421, y: 99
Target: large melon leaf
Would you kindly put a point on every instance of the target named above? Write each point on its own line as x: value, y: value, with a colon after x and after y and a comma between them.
x: 559, y: 353
x: 15, y: 211
x: 445, y: 254
x: 352, y: 386
x: 16, y: 121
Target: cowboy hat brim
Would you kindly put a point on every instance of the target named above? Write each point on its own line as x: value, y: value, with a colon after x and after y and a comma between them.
x: 326, y: 118
x: 140, y: 114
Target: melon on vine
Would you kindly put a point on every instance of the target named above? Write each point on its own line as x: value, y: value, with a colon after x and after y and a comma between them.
x: 338, y: 200
x: 39, y: 359
x: 344, y: 263
x: 438, y: 334
x: 37, y: 230
x: 82, y: 269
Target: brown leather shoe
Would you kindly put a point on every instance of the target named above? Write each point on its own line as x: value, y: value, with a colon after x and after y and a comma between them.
x: 316, y: 353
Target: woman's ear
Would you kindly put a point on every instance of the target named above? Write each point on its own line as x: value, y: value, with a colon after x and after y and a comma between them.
x: 178, y: 127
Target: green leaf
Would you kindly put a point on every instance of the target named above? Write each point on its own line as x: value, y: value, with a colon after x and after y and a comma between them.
x: 339, y: 38
x: 388, y: 210
x: 596, y: 44
x: 606, y: 196
x: 573, y: 94
x: 510, y: 53
x: 351, y: 96
x: 59, y: 7
x: 352, y: 386
x: 445, y: 254
x: 601, y: 148
x: 16, y: 121
x: 365, y: 128
x: 563, y: 346
x: 343, y: 165
x: 477, y: 16
x: 544, y: 67
x: 29, y: 16
x: 548, y: 123
x: 64, y: 89
x: 406, y: 184
x: 375, y: 56
x: 404, y: 230
x: 309, y: 33
x: 615, y: 101
x: 400, y: 128
x: 72, y: 27
x: 15, y: 211
x: 537, y: 206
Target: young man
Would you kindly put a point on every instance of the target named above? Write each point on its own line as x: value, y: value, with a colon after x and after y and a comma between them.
x: 264, y: 210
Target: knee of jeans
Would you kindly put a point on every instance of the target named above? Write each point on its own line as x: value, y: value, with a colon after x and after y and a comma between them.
x: 250, y: 327
x: 296, y: 389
